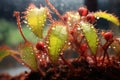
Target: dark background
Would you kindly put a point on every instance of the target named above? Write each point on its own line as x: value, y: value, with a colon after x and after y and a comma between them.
x: 7, y: 7
x: 10, y: 36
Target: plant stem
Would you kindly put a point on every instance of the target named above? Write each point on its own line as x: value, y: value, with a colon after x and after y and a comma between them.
x: 55, y: 10
x: 17, y: 15
x: 105, y: 47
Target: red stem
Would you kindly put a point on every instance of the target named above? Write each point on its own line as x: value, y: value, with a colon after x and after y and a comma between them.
x: 17, y: 15
x: 50, y: 17
x: 55, y: 10
x: 105, y: 46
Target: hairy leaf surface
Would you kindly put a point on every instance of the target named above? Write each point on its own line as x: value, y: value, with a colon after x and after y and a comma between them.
x: 5, y: 51
x: 36, y: 19
x: 57, y: 37
x: 28, y: 56
x: 108, y: 17
x: 90, y: 35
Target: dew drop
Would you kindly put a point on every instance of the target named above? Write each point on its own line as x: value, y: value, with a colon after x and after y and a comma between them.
x: 109, y: 47
x: 61, y: 53
x: 59, y: 50
x: 30, y: 28
x: 25, y: 22
x: 78, y: 29
x: 48, y: 47
x: 31, y: 53
x: 40, y: 60
x: 98, y: 17
x: 43, y: 56
x: 47, y: 59
x: 118, y: 62
x: 24, y: 56
x: 23, y: 63
x: 44, y: 15
x: 70, y: 24
x: 69, y: 18
x: 92, y: 27
x: 69, y: 43
x: 45, y: 46
x: 114, y: 47
x: 39, y: 21
x: 42, y: 24
x: 53, y: 28
x: 97, y: 40
x: 65, y: 41
x: 47, y: 42
x: 38, y: 56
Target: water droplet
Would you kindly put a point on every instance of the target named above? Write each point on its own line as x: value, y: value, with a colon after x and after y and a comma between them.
x: 59, y: 50
x: 40, y: 60
x: 48, y: 47
x: 30, y: 28
x: 44, y: 15
x: 43, y: 56
x: 47, y: 42
x: 69, y: 43
x: 78, y: 29
x: 69, y: 18
x: 38, y: 56
x: 39, y: 21
x: 47, y: 59
x: 45, y: 46
x: 70, y: 24
x: 97, y: 40
x: 98, y: 17
x: 23, y: 63
x: 92, y: 27
x: 27, y: 26
x: 42, y: 24
x: 118, y: 62
x: 65, y: 41
x: 53, y: 28
x: 25, y: 22
x: 109, y: 47
x: 114, y: 47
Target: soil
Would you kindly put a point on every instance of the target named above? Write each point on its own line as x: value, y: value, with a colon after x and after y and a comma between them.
x: 80, y: 70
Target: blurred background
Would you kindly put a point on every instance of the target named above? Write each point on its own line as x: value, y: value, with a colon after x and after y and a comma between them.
x: 10, y: 36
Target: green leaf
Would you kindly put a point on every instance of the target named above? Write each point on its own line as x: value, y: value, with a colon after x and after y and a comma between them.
x: 90, y: 35
x: 57, y: 37
x: 5, y: 51
x: 108, y: 17
x: 36, y: 19
x: 28, y: 56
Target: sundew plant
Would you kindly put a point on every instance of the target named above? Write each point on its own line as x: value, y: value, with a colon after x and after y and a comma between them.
x: 74, y: 31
